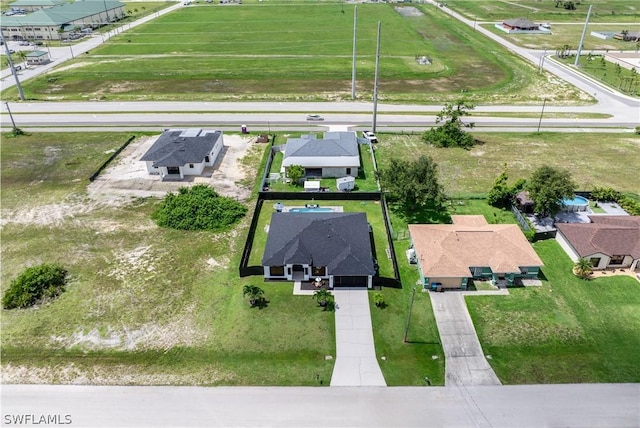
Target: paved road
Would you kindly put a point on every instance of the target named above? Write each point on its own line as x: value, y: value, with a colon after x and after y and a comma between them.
x: 159, y: 115
x: 465, y: 363
x: 592, y: 405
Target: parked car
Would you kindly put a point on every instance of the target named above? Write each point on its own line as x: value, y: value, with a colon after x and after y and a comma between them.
x: 11, y: 51
x: 24, y: 43
x: 370, y: 136
x: 314, y: 117
x: 18, y: 67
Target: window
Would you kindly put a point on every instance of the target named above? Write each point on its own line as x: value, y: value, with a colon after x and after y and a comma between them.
x: 616, y: 260
x: 276, y: 270
x: 191, y: 165
x: 318, y: 271
x: 348, y: 171
x: 595, y: 261
x: 207, y: 159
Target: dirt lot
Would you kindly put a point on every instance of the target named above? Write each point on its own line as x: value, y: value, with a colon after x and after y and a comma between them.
x: 127, y: 178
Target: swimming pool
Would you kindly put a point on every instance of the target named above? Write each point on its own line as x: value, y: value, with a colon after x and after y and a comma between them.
x: 577, y: 203
x: 311, y: 210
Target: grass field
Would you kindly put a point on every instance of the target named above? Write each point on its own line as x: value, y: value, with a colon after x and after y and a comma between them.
x: 243, y: 53
x: 407, y: 363
x: 539, y: 11
x: 567, y: 331
x: 610, y: 74
x: 592, y: 159
x: 145, y: 305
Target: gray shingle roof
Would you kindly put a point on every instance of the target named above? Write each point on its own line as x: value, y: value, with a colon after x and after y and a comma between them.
x: 339, y: 241
x: 177, y: 147
x: 333, y: 144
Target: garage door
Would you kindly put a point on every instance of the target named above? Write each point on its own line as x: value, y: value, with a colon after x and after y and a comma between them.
x: 350, y: 281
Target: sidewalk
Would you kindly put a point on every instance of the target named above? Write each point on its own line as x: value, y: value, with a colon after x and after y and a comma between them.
x: 465, y: 363
x: 356, y: 363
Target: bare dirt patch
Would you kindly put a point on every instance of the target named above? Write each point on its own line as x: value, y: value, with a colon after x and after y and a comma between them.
x: 127, y: 179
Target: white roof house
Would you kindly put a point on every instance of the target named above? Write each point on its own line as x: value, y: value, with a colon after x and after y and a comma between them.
x: 334, y: 155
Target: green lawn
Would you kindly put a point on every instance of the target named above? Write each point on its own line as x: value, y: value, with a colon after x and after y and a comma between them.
x: 610, y: 74
x: 567, y: 331
x: 170, y: 300
x: 407, y: 363
x: 237, y: 53
x: 538, y: 11
x: 594, y: 159
x: 374, y: 217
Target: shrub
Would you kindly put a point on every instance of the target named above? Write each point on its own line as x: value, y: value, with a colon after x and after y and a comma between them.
x: 198, y: 208
x: 45, y: 281
x: 605, y: 194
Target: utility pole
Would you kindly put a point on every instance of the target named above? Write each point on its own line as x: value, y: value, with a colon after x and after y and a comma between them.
x: 406, y: 330
x: 15, y: 128
x: 375, y: 82
x: 11, y: 67
x: 353, y: 70
x: 541, y: 113
x: 584, y: 31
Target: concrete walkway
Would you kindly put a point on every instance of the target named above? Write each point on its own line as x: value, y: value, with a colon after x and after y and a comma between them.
x: 356, y: 363
x: 465, y: 363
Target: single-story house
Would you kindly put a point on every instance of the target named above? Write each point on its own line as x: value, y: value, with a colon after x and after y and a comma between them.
x: 334, y: 155
x: 180, y: 152
x: 333, y: 246
x: 523, y: 25
x: 37, y: 57
x: 608, y: 241
x: 470, y: 248
x: 628, y: 36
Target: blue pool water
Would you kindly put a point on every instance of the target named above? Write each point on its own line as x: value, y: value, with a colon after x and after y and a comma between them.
x: 311, y: 210
x: 577, y: 200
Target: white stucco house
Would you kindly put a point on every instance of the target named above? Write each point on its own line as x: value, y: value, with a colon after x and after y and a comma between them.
x: 332, y: 246
x: 608, y: 241
x: 181, y: 152
x: 336, y: 154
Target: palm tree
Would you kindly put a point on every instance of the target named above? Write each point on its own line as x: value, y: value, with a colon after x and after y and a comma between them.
x: 583, y: 268
x: 23, y: 57
x: 323, y: 297
x: 254, y: 292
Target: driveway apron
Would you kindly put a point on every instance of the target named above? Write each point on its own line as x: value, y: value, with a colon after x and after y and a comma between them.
x: 356, y: 363
x: 465, y: 363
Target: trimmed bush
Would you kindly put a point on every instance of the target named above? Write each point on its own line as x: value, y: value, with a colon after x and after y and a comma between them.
x: 198, y: 208
x: 42, y: 282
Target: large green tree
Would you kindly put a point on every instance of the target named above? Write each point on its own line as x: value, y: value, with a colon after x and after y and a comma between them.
x: 548, y: 186
x: 451, y: 133
x: 413, y: 183
x: 501, y: 194
x: 295, y: 173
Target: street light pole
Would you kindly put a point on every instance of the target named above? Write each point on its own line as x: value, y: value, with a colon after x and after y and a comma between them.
x: 375, y: 82
x: 541, y: 113
x: 15, y: 128
x: 406, y: 330
x: 11, y: 67
x: 353, y: 69
x: 584, y: 31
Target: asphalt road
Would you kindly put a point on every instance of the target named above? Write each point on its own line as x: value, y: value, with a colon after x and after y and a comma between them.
x: 591, y: 405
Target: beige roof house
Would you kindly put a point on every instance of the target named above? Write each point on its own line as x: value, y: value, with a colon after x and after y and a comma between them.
x: 470, y: 247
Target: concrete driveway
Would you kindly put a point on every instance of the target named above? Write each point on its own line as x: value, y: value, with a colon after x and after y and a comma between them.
x: 465, y: 363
